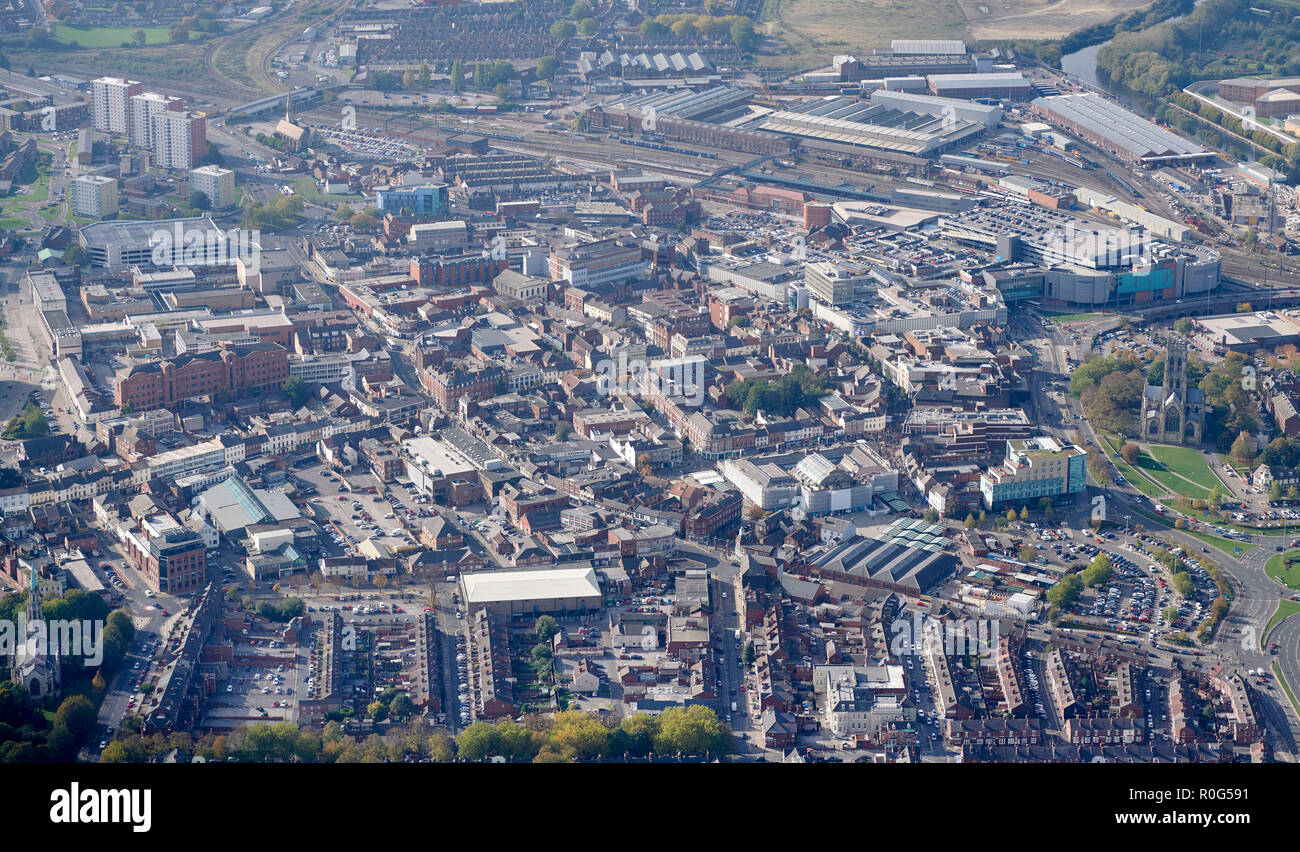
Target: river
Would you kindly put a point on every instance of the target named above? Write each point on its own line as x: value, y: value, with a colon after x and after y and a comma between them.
x: 1083, y: 63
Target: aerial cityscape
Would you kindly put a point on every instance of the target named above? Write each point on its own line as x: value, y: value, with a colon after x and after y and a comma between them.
x: 572, y: 381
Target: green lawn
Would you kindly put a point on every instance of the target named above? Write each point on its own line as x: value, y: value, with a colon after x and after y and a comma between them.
x: 1140, y: 482
x: 306, y: 187
x: 1177, y: 485
x: 1285, y: 609
x: 1227, y: 545
x: 1285, y: 568
x: 1071, y: 317
x: 1187, y: 462
x: 1286, y: 687
x: 14, y: 223
x: 108, y: 36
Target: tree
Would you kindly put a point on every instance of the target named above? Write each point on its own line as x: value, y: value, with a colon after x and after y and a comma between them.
x: 343, y: 212
x: 693, y: 730
x: 750, y: 654
x: 742, y: 35
x: 1183, y: 325
x: 1099, y: 571
x: 931, y: 516
x: 138, y: 37
x: 1065, y: 591
x: 588, y: 27
x: 970, y: 521
x: 457, y: 76
x: 297, y: 391
x: 1045, y: 506
x: 401, y: 707
x: 562, y: 30
x: 754, y: 512
x: 1130, y: 452
x: 200, y: 201
x: 1024, y: 513
x: 562, y: 431
x: 75, y: 255
x: 546, y: 67
x: 579, y: 10
x: 1099, y: 467
x: 1028, y: 553
x: 1183, y: 584
x: 77, y: 715
x: 575, y: 735
x: 546, y: 627
x: 1011, y: 515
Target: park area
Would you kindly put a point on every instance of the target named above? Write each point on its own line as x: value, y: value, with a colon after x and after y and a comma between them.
x: 108, y: 36
x: 1161, y: 469
x: 1285, y: 568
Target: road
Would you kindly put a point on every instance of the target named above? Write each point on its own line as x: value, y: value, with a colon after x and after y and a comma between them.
x: 1255, y: 595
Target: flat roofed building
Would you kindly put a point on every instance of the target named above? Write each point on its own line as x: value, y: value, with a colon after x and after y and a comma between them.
x: 111, y: 97
x: 549, y: 590
x: 179, y: 242
x: 1035, y: 468
x: 1005, y: 84
x: 94, y: 196
x: 1247, y: 332
x: 1120, y: 131
x: 216, y: 183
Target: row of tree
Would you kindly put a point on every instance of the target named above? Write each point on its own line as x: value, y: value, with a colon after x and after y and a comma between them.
x: 800, y: 387
x: 567, y: 736
x: 576, y: 736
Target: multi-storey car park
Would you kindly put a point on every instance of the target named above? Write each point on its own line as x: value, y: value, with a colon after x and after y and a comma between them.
x: 1086, y: 263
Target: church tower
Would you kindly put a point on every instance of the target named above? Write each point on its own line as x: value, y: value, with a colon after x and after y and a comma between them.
x: 1173, y: 413
x: 37, y: 662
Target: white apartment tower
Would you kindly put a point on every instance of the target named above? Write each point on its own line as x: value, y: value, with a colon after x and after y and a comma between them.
x: 111, y: 103
x: 144, y: 107
x: 179, y: 139
x: 94, y: 196
x: 216, y: 183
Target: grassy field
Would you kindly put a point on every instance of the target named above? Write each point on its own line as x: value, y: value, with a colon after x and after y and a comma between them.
x: 306, y: 187
x: 1186, y: 462
x: 1171, y: 482
x: 1071, y: 317
x: 1227, y: 545
x: 36, y: 188
x: 814, y: 30
x: 1285, y: 568
x: 1286, y: 687
x: 1285, y: 609
x: 1041, y: 18
x: 13, y: 223
x: 108, y: 36
x: 1135, y: 477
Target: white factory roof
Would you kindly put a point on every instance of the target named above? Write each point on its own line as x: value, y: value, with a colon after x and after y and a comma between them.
x: 1119, y: 126
x: 501, y: 586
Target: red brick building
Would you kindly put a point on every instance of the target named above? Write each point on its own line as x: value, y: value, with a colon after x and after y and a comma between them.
x: 233, y: 371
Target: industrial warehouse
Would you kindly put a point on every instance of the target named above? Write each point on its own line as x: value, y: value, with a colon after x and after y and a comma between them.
x: 1124, y: 134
